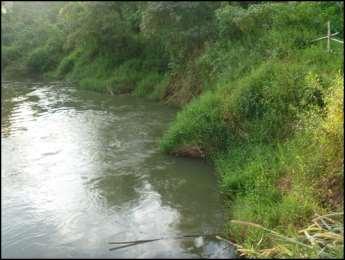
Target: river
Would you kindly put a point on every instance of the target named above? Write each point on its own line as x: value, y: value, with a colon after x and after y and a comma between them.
x: 81, y: 169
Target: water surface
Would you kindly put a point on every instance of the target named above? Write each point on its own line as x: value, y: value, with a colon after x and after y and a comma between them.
x: 81, y: 169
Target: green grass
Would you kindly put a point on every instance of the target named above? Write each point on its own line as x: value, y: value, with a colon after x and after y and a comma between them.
x: 147, y: 85
x: 274, y: 179
x: 259, y: 98
x: 323, y: 238
x: 281, y: 187
x: 272, y: 125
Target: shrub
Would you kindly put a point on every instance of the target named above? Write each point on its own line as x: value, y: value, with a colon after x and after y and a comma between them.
x: 148, y: 84
x: 67, y: 64
x: 94, y: 84
x: 45, y: 58
x: 201, y: 123
x: 9, y: 55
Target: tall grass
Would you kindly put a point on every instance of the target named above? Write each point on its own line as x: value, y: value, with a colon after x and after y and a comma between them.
x: 272, y: 122
x: 261, y: 100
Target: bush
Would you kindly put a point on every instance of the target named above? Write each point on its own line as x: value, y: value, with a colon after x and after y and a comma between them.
x: 201, y: 123
x: 9, y: 54
x: 148, y: 84
x: 94, y: 84
x: 160, y: 89
x: 45, y: 58
x: 125, y: 77
x: 39, y: 60
x: 67, y: 64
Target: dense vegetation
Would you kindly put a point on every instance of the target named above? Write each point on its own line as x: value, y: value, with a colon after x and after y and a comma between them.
x: 257, y: 97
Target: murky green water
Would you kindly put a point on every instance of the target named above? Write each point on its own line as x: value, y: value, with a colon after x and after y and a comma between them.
x: 81, y: 169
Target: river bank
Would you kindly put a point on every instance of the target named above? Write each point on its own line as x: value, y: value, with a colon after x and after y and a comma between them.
x: 257, y: 98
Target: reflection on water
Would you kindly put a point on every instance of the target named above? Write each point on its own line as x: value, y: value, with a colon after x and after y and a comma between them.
x: 81, y: 169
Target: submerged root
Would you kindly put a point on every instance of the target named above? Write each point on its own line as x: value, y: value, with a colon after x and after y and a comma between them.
x: 192, y: 151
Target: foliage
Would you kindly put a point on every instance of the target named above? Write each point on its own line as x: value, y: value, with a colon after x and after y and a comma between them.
x: 147, y: 85
x: 261, y: 100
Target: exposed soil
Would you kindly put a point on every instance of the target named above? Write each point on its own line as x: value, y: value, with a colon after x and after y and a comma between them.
x: 193, y: 151
x: 333, y: 191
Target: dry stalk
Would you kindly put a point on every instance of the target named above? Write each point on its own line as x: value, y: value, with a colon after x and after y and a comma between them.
x: 323, y: 237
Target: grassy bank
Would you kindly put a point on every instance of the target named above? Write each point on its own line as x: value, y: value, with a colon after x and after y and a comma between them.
x: 258, y: 98
x: 269, y: 126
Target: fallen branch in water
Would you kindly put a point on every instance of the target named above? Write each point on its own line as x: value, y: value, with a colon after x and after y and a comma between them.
x: 128, y: 244
x: 137, y: 242
x: 228, y: 241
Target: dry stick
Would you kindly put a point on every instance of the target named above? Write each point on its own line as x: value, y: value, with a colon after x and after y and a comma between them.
x: 136, y: 242
x: 329, y: 215
x: 328, y: 36
x: 312, y: 227
x: 324, y: 37
x: 131, y: 244
x: 333, y: 39
x: 230, y: 242
x: 329, y: 219
x: 162, y: 238
x: 323, y: 222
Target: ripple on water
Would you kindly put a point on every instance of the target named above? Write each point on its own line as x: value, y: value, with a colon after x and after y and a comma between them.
x: 83, y: 169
